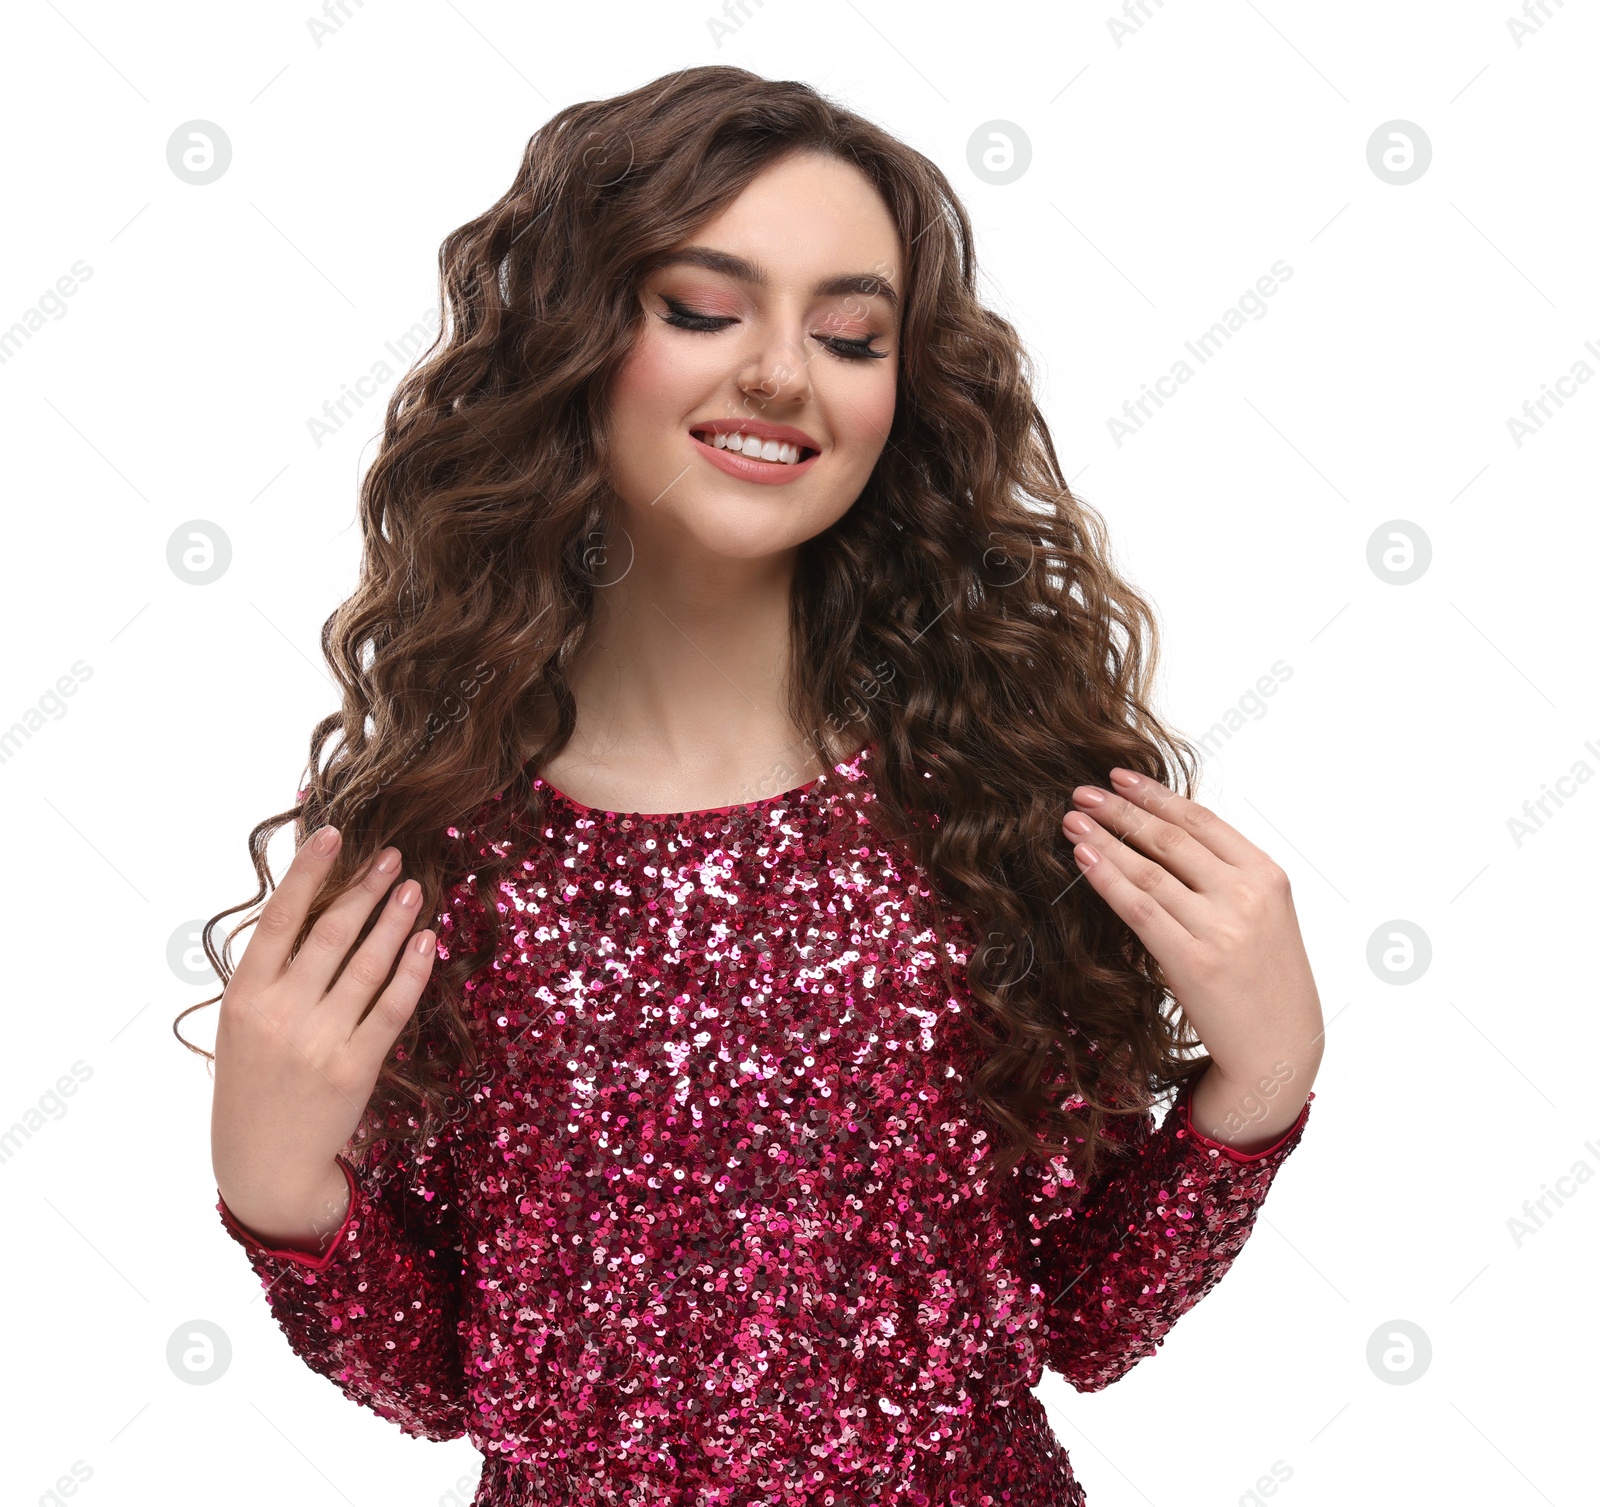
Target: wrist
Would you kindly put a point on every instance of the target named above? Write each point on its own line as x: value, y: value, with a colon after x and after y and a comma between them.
x: 301, y: 1219
x: 1252, y: 1112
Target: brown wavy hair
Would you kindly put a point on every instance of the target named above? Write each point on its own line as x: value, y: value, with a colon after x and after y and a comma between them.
x: 964, y: 616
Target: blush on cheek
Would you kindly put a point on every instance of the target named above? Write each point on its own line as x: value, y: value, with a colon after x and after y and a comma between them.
x: 661, y: 381
x: 641, y: 382
x: 872, y: 414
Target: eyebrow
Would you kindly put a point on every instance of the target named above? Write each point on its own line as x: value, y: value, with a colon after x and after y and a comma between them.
x: 868, y: 284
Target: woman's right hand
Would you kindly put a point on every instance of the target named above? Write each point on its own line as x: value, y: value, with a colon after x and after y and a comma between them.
x: 295, y: 1061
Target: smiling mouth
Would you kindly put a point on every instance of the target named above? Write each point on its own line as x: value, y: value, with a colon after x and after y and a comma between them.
x: 773, y: 452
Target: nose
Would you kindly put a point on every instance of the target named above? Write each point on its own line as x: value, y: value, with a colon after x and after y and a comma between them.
x: 778, y: 373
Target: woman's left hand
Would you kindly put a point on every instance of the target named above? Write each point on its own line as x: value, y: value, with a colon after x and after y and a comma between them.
x: 1216, y: 914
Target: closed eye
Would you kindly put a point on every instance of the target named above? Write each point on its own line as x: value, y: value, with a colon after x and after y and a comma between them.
x: 683, y: 318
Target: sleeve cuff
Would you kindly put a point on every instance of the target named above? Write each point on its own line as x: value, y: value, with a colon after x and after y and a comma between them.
x: 1186, y: 1127
x: 307, y: 1259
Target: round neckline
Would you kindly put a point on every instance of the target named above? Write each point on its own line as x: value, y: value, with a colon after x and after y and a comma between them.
x: 658, y: 816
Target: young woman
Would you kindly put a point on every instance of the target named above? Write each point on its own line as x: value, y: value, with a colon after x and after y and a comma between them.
x: 813, y: 916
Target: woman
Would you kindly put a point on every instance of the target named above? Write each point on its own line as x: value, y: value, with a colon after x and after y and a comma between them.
x: 732, y: 677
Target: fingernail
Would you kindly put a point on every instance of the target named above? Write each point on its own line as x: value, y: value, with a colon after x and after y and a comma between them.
x: 1087, y: 795
x: 1124, y: 778
x: 324, y: 841
x: 387, y: 861
x: 1078, y: 822
x: 1086, y: 856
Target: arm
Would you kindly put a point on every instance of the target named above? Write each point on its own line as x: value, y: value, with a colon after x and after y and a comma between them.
x: 376, y: 1312
x: 1153, y: 1234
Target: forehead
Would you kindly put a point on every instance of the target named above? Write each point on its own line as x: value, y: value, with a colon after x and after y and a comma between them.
x: 803, y: 218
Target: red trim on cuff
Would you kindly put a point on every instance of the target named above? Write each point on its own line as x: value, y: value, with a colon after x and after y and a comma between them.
x: 1243, y: 1158
x: 306, y: 1259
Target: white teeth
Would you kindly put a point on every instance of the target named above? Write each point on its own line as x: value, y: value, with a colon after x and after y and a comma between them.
x: 780, y: 451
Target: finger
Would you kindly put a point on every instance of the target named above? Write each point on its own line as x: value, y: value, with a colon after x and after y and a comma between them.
x: 373, y: 960
x: 1146, y: 917
x: 1200, y: 822
x: 1191, y: 839
x: 315, y: 965
x: 1169, y: 845
x: 1175, y: 897
x: 267, y: 953
x: 377, y: 1033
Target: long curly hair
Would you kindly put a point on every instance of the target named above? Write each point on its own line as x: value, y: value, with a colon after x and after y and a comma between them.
x: 964, y: 616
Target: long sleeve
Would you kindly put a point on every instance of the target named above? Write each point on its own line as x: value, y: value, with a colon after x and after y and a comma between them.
x: 1153, y: 1233
x: 377, y: 1311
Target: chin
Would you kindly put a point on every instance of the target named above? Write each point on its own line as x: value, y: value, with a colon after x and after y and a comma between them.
x: 743, y: 538
x: 759, y: 521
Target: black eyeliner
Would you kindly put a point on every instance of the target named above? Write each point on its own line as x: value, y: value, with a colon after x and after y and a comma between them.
x: 684, y: 318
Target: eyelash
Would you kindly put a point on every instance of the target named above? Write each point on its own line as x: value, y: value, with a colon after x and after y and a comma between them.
x: 846, y: 350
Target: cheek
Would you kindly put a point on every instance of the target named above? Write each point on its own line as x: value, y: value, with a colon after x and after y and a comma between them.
x: 648, y: 389
x: 865, y: 421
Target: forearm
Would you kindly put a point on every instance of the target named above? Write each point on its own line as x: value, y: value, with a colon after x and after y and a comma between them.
x: 1148, y: 1240
x: 376, y: 1310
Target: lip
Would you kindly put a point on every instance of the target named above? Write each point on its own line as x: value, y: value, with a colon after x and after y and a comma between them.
x: 762, y: 472
x: 761, y: 429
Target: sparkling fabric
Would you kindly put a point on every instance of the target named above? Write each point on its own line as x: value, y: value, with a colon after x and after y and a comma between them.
x: 714, y: 1227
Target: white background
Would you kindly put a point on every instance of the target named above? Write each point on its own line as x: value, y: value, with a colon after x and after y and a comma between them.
x: 1168, y: 173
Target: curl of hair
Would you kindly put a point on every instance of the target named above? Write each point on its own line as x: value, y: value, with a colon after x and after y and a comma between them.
x: 964, y: 615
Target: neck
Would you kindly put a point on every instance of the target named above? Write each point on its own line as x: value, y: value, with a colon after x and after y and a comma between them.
x: 681, y: 685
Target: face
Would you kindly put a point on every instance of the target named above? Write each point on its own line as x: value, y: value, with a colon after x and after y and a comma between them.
x: 779, y: 328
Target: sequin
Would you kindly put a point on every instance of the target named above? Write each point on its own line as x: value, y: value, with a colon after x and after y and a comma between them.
x: 715, y: 1228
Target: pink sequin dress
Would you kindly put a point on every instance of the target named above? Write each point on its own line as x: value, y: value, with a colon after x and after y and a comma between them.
x: 715, y: 1228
